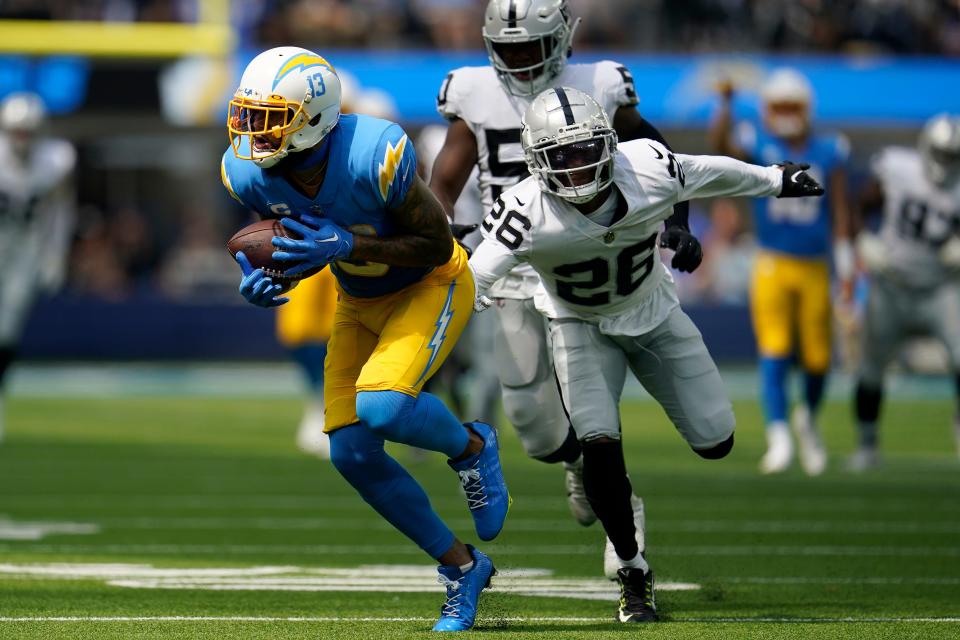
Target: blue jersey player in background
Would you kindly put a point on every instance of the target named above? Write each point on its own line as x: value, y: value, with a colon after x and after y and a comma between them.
x: 347, y: 184
x: 790, y: 288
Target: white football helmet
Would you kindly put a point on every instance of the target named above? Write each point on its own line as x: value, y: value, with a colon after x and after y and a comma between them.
x: 939, y: 146
x: 22, y: 114
x: 568, y: 144
x: 528, y: 42
x: 288, y: 100
x: 787, y: 100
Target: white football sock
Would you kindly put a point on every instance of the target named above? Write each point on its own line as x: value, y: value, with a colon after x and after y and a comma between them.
x: 638, y: 562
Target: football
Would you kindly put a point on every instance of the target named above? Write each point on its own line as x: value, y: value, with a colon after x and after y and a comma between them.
x: 255, y: 241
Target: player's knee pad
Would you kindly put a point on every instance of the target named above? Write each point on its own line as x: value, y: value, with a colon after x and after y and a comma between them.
x: 717, y: 451
x: 384, y: 412
x: 354, y: 451
x: 536, y: 412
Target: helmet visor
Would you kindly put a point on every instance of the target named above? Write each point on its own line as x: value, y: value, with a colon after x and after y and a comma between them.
x: 581, y: 168
x: 261, y: 128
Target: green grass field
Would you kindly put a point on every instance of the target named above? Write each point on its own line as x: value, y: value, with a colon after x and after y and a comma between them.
x: 196, y: 517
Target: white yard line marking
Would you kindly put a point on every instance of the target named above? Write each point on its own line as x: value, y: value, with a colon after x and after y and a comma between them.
x: 371, y: 578
x: 557, y: 619
x: 501, y: 550
x: 871, y: 580
x: 37, y: 530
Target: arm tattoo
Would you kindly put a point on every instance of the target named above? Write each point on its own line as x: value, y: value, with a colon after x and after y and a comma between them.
x: 425, y: 241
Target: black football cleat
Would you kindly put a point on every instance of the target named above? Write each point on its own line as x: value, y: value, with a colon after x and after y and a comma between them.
x: 637, y: 602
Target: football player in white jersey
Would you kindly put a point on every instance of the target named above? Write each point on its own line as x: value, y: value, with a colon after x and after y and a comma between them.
x: 587, y: 221
x: 528, y: 43
x: 36, y: 216
x: 914, y: 265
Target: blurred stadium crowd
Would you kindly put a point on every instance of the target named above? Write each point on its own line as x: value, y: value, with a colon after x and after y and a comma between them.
x: 895, y: 26
x: 138, y: 232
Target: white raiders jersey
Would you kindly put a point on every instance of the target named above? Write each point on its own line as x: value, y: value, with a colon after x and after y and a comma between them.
x: 609, y: 275
x: 475, y: 95
x: 35, y: 209
x: 918, y: 218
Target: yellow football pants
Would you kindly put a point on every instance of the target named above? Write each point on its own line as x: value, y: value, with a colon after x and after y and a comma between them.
x: 397, y: 341
x: 790, y: 300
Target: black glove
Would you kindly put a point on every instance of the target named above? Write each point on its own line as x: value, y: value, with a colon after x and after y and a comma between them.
x: 797, y: 183
x: 461, y: 231
x: 687, y: 251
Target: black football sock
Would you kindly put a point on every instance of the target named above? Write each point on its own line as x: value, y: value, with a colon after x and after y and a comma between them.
x: 569, y: 451
x: 608, y: 490
x: 6, y: 357
x: 956, y: 382
x: 868, y: 401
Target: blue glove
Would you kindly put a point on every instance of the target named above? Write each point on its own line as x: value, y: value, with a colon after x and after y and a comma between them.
x: 322, y: 243
x: 257, y: 288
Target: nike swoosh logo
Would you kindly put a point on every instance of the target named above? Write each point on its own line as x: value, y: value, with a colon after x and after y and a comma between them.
x: 518, y: 201
x: 332, y: 238
x: 794, y: 177
x: 656, y: 151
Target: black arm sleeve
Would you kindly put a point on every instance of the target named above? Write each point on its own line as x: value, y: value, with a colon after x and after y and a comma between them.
x: 680, y: 217
x: 647, y: 130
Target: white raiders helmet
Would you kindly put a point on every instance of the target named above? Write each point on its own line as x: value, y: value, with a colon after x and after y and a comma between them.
x: 22, y: 114
x: 939, y: 147
x: 787, y: 103
x: 528, y: 42
x: 568, y: 144
x: 288, y: 100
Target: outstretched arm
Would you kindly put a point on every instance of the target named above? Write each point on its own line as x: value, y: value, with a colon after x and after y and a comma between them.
x: 715, y: 176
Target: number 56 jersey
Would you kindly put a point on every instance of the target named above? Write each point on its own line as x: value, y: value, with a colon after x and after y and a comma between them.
x: 475, y: 95
x: 610, y: 275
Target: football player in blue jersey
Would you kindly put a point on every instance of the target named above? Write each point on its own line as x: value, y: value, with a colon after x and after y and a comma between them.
x: 348, y: 186
x: 790, y: 289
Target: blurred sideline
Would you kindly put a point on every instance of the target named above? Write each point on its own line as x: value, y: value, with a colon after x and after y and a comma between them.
x: 284, y: 380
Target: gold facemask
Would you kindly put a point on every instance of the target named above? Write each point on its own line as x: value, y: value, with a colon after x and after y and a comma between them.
x: 266, y: 124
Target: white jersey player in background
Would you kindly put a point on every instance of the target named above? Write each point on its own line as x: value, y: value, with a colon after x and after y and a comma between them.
x: 477, y: 389
x: 914, y: 266
x: 528, y: 43
x: 36, y: 217
x: 587, y: 222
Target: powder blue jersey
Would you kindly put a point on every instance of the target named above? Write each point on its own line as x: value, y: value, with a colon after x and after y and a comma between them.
x: 794, y: 226
x: 370, y: 167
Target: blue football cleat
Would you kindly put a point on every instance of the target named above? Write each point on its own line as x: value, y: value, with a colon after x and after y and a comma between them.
x: 463, y: 592
x: 482, y: 480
